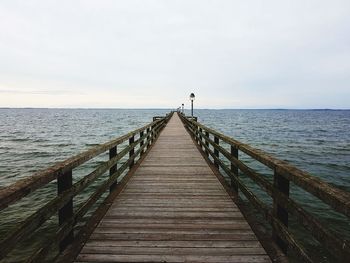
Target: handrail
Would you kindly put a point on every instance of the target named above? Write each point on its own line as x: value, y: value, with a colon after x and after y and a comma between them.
x: 336, y: 198
x: 23, y: 187
x: 63, y: 202
x: 277, y: 215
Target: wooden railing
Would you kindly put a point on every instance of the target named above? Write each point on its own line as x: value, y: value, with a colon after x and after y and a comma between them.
x: 68, y: 215
x: 215, y: 145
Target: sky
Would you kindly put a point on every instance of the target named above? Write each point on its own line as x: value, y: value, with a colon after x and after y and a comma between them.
x: 153, y: 54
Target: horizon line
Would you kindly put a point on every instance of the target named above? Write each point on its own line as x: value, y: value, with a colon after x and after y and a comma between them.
x: 141, y: 108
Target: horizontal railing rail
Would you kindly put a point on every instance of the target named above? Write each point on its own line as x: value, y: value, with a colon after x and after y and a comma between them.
x: 62, y: 204
x: 213, y: 144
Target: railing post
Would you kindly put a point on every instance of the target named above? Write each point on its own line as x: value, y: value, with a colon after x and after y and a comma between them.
x: 234, y: 168
x: 132, y: 150
x: 148, y: 137
x: 141, y: 143
x: 160, y: 127
x: 200, y: 137
x: 112, y: 154
x: 216, y: 151
x: 206, y: 142
x: 152, y: 134
x: 281, y: 185
x: 156, y: 131
x: 191, y: 126
x: 64, y: 182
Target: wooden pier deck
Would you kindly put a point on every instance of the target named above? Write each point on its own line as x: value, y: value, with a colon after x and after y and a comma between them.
x: 173, y: 209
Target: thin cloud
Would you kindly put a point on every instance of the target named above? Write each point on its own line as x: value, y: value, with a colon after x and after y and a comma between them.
x: 39, y: 92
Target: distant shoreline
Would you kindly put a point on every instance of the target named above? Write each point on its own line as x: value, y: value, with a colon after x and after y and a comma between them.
x: 73, y: 108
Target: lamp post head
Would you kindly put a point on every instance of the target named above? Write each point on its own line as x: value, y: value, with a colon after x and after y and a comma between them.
x: 192, y: 96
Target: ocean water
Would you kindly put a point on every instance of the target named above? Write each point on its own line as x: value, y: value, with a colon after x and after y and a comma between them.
x: 317, y: 141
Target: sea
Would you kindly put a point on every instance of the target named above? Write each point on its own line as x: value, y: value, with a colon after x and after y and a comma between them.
x: 316, y: 141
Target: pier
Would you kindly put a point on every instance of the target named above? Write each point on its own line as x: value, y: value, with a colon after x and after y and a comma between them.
x: 173, y: 209
x: 172, y: 192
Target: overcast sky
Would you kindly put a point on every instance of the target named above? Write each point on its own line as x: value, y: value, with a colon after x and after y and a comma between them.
x: 151, y: 54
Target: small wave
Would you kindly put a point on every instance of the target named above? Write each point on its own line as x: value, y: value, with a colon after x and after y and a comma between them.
x: 5, y: 148
x: 35, y: 154
x: 91, y: 144
x: 55, y: 145
x: 41, y: 140
x: 19, y: 140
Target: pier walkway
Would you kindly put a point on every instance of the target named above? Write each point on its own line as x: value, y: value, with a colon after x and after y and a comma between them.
x: 173, y: 209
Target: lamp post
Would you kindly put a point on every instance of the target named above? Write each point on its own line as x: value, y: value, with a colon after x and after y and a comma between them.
x: 183, y: 108
x: 192, y: 99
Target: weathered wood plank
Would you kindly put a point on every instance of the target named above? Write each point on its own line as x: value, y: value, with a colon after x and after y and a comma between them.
x: 179, y: 203
x: 125, y: 225
x: 172, y: 209
x: 144, y: 214
x: 175, y: 244
x: 170, y: 258
x: 157, y: 220
x: 163, y: 231
x: 160, y: 187
x: 174, y: 170
x: 171, y: 236
x: 172, y: 251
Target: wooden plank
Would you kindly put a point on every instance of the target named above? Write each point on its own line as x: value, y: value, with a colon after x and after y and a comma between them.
x: 176, y: 192
x: 163, y: 203
x: 164, y: 231
x: 175, y: 244
x: 145, y: 214
x: 177, y: 206
x: 174, y: 221
x: 232, y: 226
x: 171, y: 258
x: 174, y: 170
x: 166, y: 186
x: 174, y: 209
x: 172, y: 251
x: 171, y: 236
